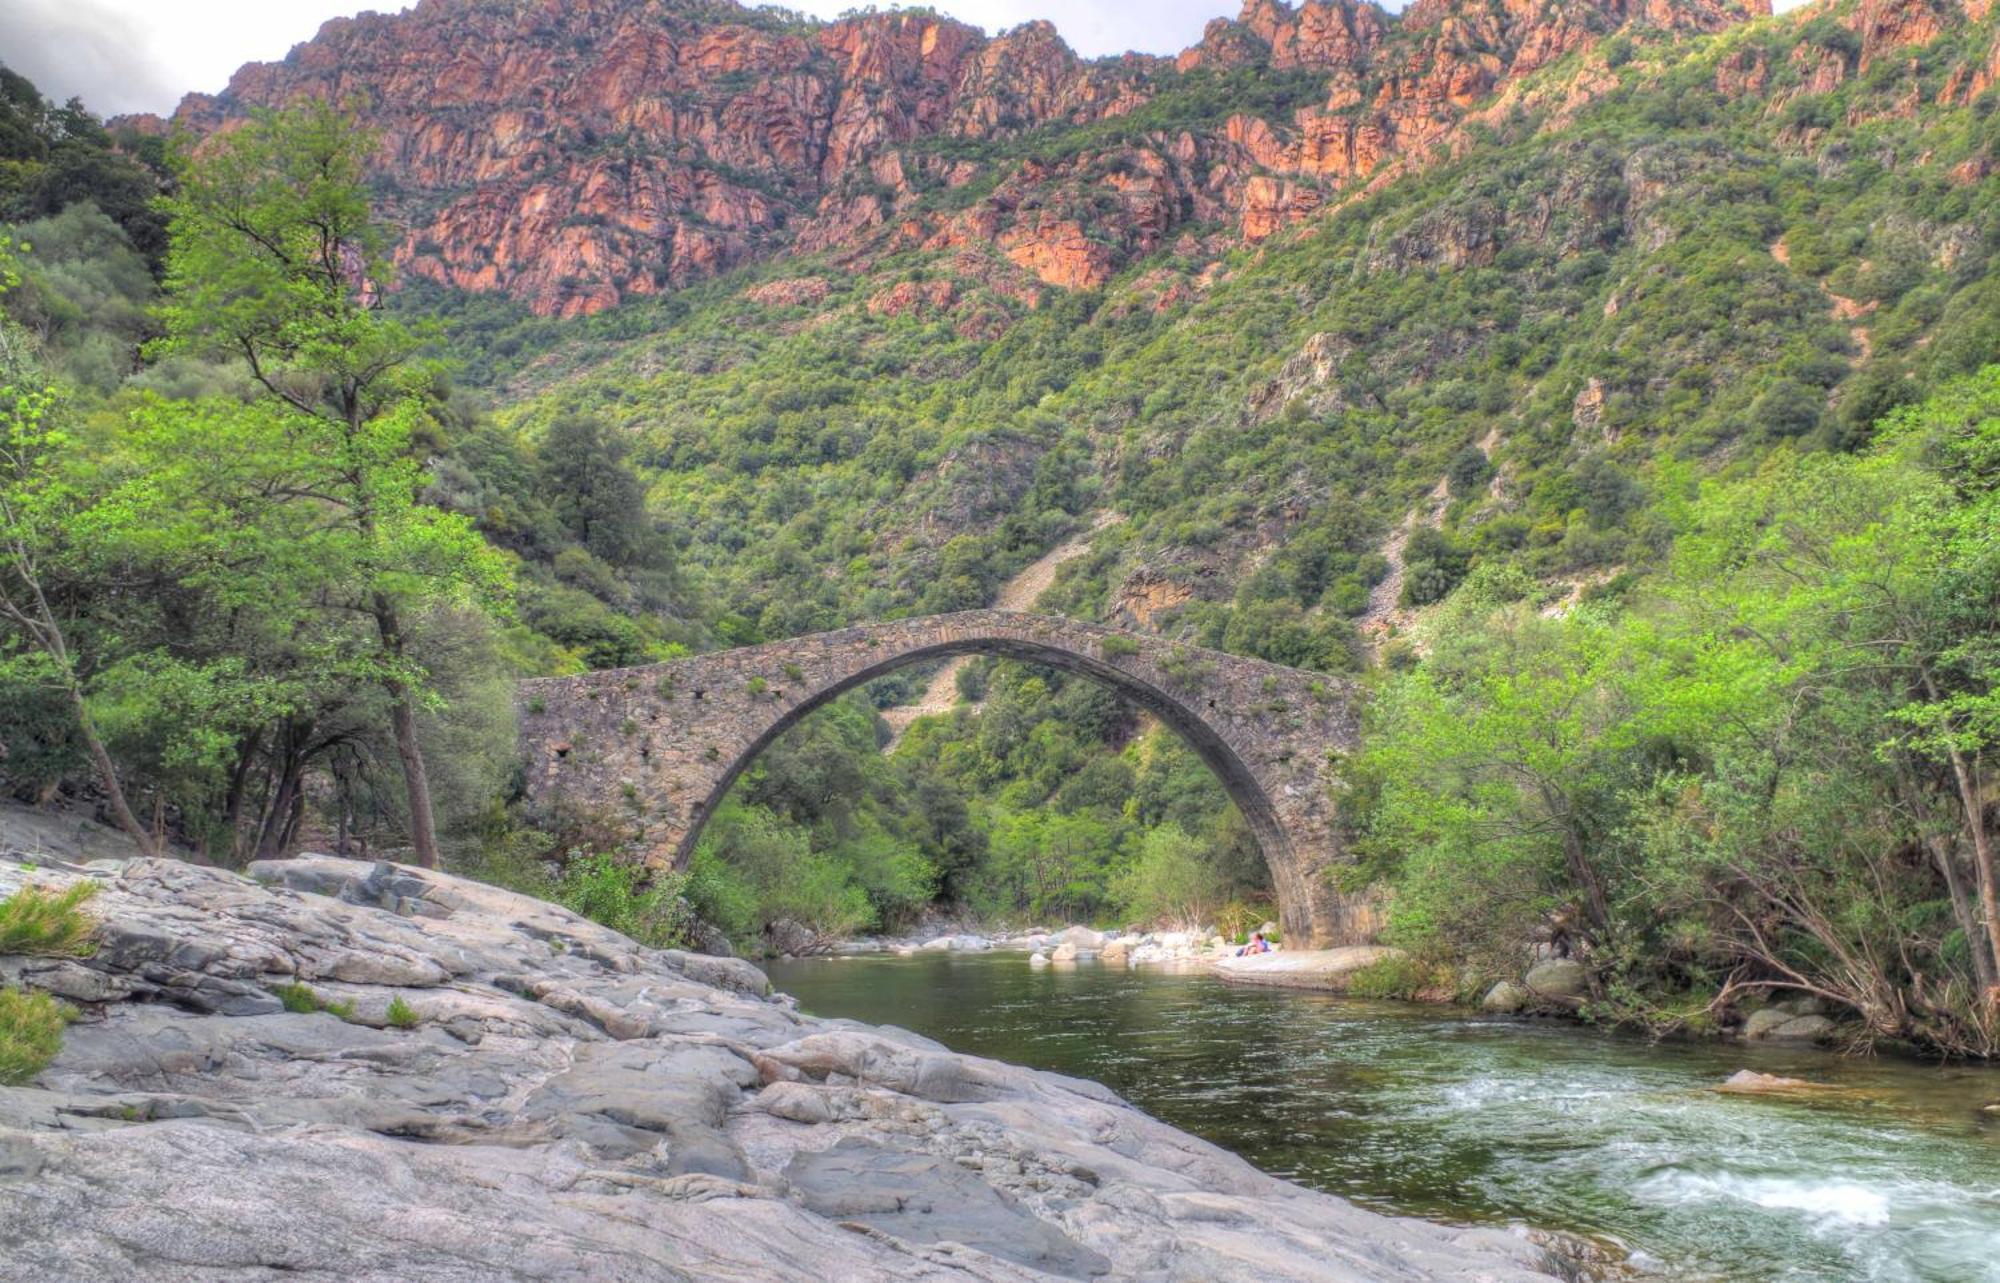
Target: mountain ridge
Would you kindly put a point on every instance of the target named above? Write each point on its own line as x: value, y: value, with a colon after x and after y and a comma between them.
x: 574, y: 157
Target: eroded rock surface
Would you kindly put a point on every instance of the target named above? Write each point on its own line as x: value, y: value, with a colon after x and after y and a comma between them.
x: 575, y: 156
x: 572, y: 1106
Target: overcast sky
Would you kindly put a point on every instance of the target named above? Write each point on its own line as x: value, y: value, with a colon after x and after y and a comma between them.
x: 142, y: 55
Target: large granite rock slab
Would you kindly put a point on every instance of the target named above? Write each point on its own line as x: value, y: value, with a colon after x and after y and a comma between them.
x: 1329, y: 969
x: 570, y: 1105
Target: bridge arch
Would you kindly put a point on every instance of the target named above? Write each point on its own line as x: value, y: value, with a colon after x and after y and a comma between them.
x: 660, y: 745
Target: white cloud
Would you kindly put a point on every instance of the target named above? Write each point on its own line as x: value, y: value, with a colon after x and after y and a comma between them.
x: 142, y: 55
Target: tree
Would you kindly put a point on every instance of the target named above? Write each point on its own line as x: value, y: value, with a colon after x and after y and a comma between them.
x: 275, y: 262
x: 596, y: 497
x: 1169, y: 881
x: 44, y: 520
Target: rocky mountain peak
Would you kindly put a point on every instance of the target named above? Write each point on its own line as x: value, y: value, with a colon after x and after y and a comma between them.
x: 574, y: 155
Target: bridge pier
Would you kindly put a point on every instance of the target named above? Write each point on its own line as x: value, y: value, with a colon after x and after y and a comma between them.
x: 658, y: 747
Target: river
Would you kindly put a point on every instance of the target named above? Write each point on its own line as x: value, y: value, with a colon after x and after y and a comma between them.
x: 1892, y: 1177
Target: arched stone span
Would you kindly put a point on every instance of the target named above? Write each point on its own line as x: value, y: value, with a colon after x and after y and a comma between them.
x: 660, y: 745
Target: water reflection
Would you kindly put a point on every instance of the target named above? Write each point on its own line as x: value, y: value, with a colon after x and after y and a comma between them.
x: 1892, y: 1178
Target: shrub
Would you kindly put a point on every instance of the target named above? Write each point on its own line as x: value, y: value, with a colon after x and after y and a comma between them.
x: 35, y: 920
x: 302, y: 999
x: 1433, y: 564
x: 1169, y: 882
x: 1393, y: 977
x: 1117, y: 647
x: 628, y: 898
x: 719, y: 895
x: 1468, y: 472
x: 31, y: 1026
x: 401, y: 1014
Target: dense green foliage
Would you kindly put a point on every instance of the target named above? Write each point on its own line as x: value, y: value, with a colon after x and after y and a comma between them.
x: 619, y: 895
x: 1769, y: 767
x: 1643, y: 448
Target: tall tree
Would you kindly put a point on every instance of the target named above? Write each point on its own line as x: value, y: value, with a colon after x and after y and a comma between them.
x: 42, y: 538
x: 277, y: 262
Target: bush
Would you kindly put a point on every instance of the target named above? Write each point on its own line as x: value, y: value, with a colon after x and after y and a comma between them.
x: 31, y: 1026
x: 303, y: 1000
x: 1433, y: 563
x: 629, y: 898
x: 35, y: 920
x: 401, y: 1014
x: 1401, y: 978
x: 719, y: 895
x: 1469, y: 471
x: 1169, y: 882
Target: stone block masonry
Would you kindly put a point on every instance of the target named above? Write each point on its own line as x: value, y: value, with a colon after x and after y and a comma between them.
x: 658, y: 747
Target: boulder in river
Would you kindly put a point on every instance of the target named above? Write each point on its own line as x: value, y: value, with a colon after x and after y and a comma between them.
x: 1064, y: 952
x: 1775, y: 1024
x: 1506, y: 998
x: 1750, y: 1082
x: 1038, y: 959
x: 572, y: 1105
x: 1082, y: 937
x: 1562, y: 979
x: 787, y: 937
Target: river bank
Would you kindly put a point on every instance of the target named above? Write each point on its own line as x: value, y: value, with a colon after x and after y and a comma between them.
x: 371, y: 1072
x: 1887, y: 1171
x: 1546, y: 987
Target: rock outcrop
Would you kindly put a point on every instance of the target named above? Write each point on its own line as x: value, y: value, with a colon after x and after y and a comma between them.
x: 576, y: 155
x: 497, y: 1089
x: 1328, y: 969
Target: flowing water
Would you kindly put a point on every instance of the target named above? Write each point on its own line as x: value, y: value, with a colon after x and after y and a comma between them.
x: 1890, y: 1176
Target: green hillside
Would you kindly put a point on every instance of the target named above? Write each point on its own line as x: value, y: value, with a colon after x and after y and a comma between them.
x: 1658, y: 405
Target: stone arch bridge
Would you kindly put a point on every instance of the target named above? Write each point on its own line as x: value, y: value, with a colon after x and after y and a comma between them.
x: 660, y: 745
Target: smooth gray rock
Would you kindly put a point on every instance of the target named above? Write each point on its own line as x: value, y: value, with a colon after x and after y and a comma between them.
x: 1763, y: 1021
x: 573, y: 1106
x: 927, y: 1199
x: 1506, y: 998
x: 1803, y: 1030
x: 1559, y: 978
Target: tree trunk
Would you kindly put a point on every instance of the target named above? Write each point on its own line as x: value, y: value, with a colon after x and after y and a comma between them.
x: 1982, y: 845
x: 403, y: 722
x: 271, y: 841
x: 1982, y: 857
x: 239, y: 784
x: 107, y: 774
x: 1984, y: 958
x: 416, y: 779
x: 1596, y: 906
x: 295, y: 821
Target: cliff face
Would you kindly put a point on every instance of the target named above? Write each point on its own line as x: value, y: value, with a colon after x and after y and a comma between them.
x: 573, y: 153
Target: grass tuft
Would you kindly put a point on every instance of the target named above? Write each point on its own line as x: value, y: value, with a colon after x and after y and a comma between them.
x: 31, y: 1029
x: 401, y: 1014
x: 37, y: 920
x: 302, y: 1000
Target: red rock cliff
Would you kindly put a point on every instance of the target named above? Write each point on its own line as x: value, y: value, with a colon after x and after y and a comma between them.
x: 574, y: 153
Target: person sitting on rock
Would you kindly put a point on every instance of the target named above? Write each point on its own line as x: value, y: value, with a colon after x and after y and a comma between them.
x: 1258, y: 944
